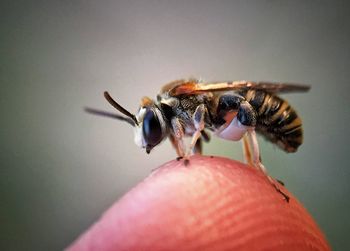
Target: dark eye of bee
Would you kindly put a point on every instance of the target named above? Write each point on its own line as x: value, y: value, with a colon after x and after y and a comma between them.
x: 151, y: 128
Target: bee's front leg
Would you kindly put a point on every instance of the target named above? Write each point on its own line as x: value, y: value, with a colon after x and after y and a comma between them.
x: 175, y: 144
x: 176, y: 137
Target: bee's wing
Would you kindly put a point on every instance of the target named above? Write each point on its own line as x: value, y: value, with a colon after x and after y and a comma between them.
x: 195, y: 87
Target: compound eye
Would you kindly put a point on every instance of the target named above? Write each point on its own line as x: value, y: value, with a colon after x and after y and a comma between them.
x: 151, y: 128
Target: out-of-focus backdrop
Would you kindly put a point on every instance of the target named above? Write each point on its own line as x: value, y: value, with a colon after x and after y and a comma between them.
x: 61, y: 168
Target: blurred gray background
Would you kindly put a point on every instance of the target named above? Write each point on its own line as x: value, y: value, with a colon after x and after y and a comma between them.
x: 61, y: 168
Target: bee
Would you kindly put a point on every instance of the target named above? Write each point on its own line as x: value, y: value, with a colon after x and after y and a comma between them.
x: 233, y: 110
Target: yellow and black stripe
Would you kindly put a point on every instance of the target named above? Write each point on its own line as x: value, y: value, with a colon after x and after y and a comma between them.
x: 277, y: 120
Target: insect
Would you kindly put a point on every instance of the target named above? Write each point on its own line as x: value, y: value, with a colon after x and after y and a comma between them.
x: 233, y: 110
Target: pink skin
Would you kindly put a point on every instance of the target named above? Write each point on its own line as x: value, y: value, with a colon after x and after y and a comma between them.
x: 211, y: 204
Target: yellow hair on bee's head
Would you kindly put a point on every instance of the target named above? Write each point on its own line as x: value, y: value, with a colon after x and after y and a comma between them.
x: 146, y: 101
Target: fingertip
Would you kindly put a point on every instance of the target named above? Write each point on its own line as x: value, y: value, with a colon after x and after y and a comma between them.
x: 212, y: 203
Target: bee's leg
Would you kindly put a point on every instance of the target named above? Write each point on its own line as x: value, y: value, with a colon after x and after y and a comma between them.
x: 198, y: 121
x: 247, y: 116
x: 177, y: 136
x: 175, y: 144
x: 260, y: 166
x: 198, y: 147
x: 256, y: 151
x: 247, y: 150
x: 205, y: 136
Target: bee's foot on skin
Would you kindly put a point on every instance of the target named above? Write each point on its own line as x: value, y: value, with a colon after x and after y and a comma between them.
x: 276, y: 184
x: 281, y: 182
x: 154, y: 169
x: 261, y: 167
x: 286, y: 197
x: 211, y: 156
x: 179, y: 158
x: 186, y: 161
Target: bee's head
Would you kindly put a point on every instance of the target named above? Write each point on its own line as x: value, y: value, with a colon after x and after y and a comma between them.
x: 151, y: 128
x: 149, y: 123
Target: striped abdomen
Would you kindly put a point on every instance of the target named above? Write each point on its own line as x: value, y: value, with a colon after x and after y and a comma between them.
x: 277, y: 120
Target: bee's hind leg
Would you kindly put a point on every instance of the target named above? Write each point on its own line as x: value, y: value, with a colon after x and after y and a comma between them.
x: 255, y: 158
x: 247, y: 150
x: 257, y: 162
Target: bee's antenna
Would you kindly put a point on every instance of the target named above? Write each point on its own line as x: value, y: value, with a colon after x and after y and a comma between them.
x: 109, y: 115
x: 120, y: 108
